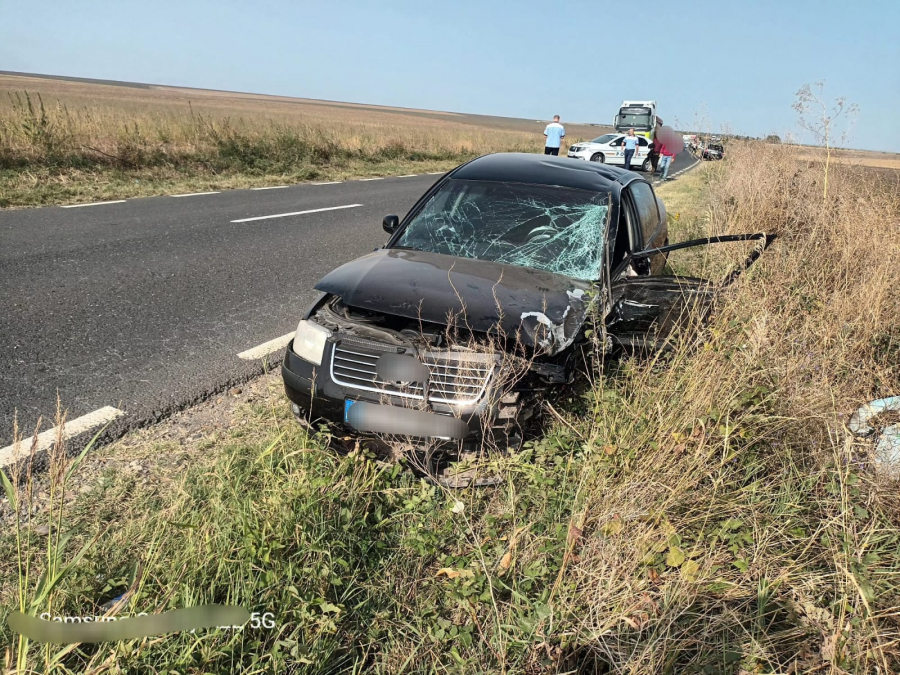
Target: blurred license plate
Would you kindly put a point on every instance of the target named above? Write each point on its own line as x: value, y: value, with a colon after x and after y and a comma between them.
x: 347, y: 404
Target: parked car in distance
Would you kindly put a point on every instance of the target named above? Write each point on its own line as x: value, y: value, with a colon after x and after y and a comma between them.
x: 713, y: 151
x: 608, y: 149
x: 483, y: 299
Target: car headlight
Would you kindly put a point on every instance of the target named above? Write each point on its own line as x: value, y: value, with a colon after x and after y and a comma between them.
x: 309, y: 341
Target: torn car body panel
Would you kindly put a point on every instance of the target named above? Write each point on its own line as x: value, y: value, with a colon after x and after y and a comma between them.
x: 646, y: 311
x: 475, y: 295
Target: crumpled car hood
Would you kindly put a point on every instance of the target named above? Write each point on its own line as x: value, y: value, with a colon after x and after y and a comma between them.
x: 546, y: 309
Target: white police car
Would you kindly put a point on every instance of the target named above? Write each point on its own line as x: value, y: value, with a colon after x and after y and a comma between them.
x: 609, y: 149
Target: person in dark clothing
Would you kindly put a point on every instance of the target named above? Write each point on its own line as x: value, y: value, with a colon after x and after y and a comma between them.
x: 654, y: 155
x: 655, y: 146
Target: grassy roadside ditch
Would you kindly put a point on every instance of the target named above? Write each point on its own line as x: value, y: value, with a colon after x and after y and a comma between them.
x: 703, y: 513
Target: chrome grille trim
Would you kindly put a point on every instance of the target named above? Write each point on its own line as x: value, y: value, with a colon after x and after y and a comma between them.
x: 459, y: 378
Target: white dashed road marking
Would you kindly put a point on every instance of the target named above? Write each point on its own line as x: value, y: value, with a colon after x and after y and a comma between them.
x: 297, y: 213
x: 409, y: 175
x: 659, y: 181
x: 73, y: 428
x: 330, y: 182
x: 266, y: 348
x: 435, y: 173
x: 75, y: 206
x: 379, y: 178
x: 197, y: 194
x: 271, y: 187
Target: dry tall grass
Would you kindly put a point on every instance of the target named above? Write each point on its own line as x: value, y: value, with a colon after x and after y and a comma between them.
x: 62, y: 148
x: 745, y: 527
x: 37, y: 132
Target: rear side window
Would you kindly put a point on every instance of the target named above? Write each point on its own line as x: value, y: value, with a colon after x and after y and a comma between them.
x: 642, y: 141
x: 648, y: 213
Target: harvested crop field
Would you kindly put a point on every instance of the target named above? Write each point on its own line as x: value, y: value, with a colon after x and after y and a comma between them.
x: 66, y: 140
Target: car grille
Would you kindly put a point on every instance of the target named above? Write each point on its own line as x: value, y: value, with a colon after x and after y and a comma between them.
x: 456, y: 377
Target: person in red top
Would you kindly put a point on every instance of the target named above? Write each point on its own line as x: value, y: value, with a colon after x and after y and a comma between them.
x: 665, y: 159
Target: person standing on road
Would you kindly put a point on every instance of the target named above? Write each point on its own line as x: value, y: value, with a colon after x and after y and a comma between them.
x: 665, y: 160
x: 554, y: 133
x: 655, y: 145
x: 630, y: 143
x: 654, y: 155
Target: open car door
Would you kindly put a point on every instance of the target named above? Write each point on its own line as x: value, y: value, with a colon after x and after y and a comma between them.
x: 646, y: 311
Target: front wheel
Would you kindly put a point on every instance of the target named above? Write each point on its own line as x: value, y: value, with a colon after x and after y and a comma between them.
x: 598, y: 157
x: 647, y: 166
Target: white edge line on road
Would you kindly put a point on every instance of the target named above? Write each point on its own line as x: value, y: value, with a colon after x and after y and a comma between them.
x: 271, y: 187
x: 75, y: 206
x: 409, y: 175
x: 435, y: 173
x: 328, y: 182
x: 197, y: 194
x: 72, y: 428
x: 266, y: 348
x: 296, y: 213
x: 379, y: 178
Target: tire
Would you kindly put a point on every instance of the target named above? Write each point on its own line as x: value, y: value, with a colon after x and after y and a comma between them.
x: 598, y: 157
x: 647, y: 166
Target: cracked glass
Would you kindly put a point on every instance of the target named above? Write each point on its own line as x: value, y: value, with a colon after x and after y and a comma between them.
x: 542, y: 227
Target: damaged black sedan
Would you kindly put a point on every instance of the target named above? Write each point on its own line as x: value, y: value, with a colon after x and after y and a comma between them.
x: 480, y: 301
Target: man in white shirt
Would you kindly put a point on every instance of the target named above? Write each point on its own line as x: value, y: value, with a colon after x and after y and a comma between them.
x: 554, y: 133
x: 630, y: 144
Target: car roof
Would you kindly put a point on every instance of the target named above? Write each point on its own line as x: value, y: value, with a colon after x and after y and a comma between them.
x: 617, y: 137
x: 522, y: 167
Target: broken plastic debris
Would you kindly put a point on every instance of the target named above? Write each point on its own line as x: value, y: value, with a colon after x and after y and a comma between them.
x: 887, y: 447
x: 559, y: 335
x: 106, y: 606
x: 859, y: 421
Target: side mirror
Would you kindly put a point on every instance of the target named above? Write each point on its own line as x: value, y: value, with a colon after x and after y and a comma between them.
x: 390, y: 224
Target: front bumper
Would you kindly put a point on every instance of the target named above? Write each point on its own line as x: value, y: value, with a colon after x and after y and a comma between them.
x: 581, y: 154
x: 317, y: 396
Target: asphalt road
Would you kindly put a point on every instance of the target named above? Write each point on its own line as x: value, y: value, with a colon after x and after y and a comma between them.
x: 145, y: 305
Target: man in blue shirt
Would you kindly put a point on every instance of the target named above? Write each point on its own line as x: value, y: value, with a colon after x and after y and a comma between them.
x: 554, y: 133
x: 631, y: 144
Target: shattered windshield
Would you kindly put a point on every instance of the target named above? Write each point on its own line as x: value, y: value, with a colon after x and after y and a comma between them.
x: 547, y: 228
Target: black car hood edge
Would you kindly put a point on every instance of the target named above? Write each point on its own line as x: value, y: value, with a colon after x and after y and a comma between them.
x: 546, y: 310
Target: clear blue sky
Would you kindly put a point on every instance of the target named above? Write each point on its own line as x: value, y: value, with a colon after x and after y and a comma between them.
x: 733, y: 63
